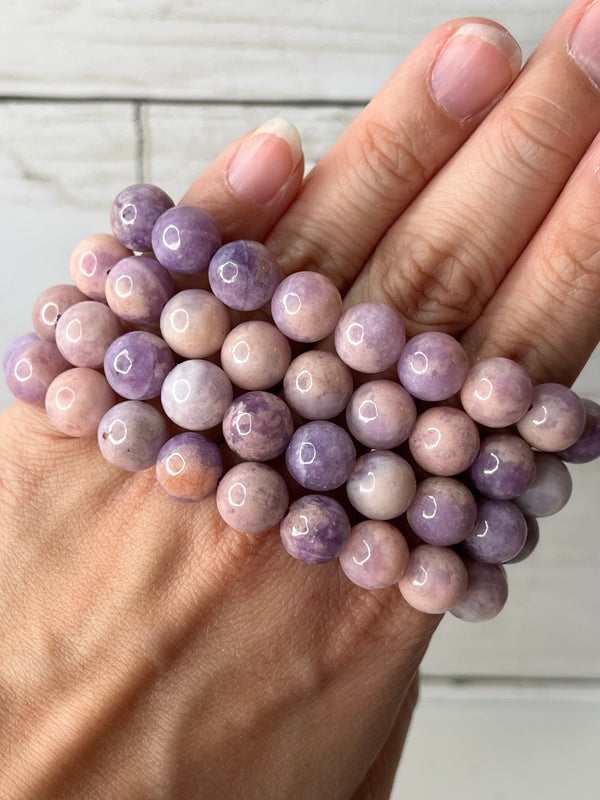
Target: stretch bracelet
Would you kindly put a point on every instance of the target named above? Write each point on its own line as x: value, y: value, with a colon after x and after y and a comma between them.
x: 342, y: 450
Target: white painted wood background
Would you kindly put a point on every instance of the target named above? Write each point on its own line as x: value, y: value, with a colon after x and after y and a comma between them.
x: 95, y: 94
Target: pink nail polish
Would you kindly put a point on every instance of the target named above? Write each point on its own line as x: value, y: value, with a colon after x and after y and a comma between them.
x: 265, y: 161
x: 477, y: 63
x: 585, y: 43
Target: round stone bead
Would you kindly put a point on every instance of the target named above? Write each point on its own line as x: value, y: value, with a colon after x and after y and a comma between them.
x: 499, y: 533
x: 255, y: 355
x: 252, y: 497
x: 555, y: 420
x: 433, y: 366
x: 317, y: 385
x: 136, y: 365
x: 85, y: 331
x: 131, y: 434
x: 185, y: 238
x: 77, y: 399
x: 31, y: 366
x: 196, y: 394
x: 138, y: 288
x: 92, y: 260
x: 497, y: 392
x: 382, y: 485
x: 504, y: 467
x: 369, y: 337
x: 443, y: 511
x: 444, y: 441
x: 381, y: 414
x: 188, y: 467
x: 587, y: 447
x: 258, y: 426
x: 320, y: 456
x: 550, y: 490
x: 194, y: 323
x: 17, y: 344
x: 375, y: 556
x: 243, y: 275
x: 533, y: 537
x: 435, y: 579
x: 306, y: 306
x: 486, y: 595
x: 134, y: 213
x: 315, y: 529
x: 50, y: 306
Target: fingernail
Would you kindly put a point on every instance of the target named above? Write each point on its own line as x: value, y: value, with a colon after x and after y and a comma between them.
x: 478, y: 62
x: 265, y: 161
x: 585, y: 43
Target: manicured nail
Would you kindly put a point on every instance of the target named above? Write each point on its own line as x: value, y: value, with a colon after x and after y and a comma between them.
x: 265, y: 161
x: 585, y: 43
x: 478, y: 63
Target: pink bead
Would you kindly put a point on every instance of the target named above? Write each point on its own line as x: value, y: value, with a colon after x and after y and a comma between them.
x: 497, y: 392
x: 194, y: 323
x: 92, y: 260
x: 255, y: 355
x: 306, y: 306
x: 77, y: 399
x: 252, y: 498
x: 444, y: 441
x: 381, y: 414
x: 375, y: 555
x: 435, y: 579
x: 382, y: 485
x: 317, y: 385
x: 50, y: 306
x: 369, y: 337
x: 85, y: 331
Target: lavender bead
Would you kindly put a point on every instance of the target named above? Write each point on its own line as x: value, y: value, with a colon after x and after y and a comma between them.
x: 306, y: 306
x: 499, y: 533
x: 258, y: 426
x: 136, y: 365
x: 555, y: 420
x: 550, y: 490
x: 92, y: 260
x: 185, y: 239
x: 252, y: 498
x: 497, y: 392
x: 587, y: 447
x: 320, y: 456
x: 17, y: 344
x: 444, y: 441
x: 375, y: 556
x: 504, y: 467
x: 433, y: 366
x: 369, y: 337
x: 134, y: 213
x: 50, y: 306
x: 138, y: 288
x: 196, y: 394
x: 243, y: 275
x: 315, y: 529
x: 435, y: 579
x: 255, y: 355
x: 382, y: 485
x: 533, y: 538
x: 31, y: 366
x: 443, y: 511
x: 194, y: 323
x: 131, y: 434
x: 317, y: 385
x: 381, y: 414
x: 85, y: 331
x: 77, y: 399
x: 188, y: 467
x: 486, y: 594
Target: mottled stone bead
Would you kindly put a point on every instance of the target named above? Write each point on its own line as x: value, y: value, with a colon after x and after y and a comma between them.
x: 137, y: 289
x: 382, y: 485
x: 555, y: 420
x: 185, y: 238
x: 381, y: 414
x: 315, y: 529
x: 252, y: 497
x: 317, y: 385
x: 444, y: 441
x: 92, y: 260
x: 435, y: 579
x: 306, y: 306
x: 77, y: 399
x: 504, y: 467
x: 255, y: 355
x: 134, y: 212
x: 550, y: 490
x: 531, y: 542
x: 433, y: 366
x: 17, y: 344
x: 497, y: 392
x: 320, y: 456
x: 31, y: 366
x: 587, y: 447
x: 243, y: 275
x: 369, y: 337
x: 85, y: 331
x: 375, y: 556
x: 486, y: 594
x: 131, y: 434
x: 443, y: 511
x: 188, y: 467
x: 499, y: 532
x: 196, y: 394
x: 136, y: 365
x: 194, y: 323
x: 50, y: 306
x: 258, y: 426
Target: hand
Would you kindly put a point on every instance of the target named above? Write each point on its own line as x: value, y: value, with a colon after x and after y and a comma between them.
x: 149, y: 651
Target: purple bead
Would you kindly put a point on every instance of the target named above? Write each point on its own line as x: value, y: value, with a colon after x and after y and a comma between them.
x: 243, y: 275
x: 504, y: 468
x: 443, y: 511
x: 258, y: 426
x: 369, y: 337
x: 317, y: 385
x: 499, y: 533
x: 555, y: 420
x: 587, y: 447
x: 134, y: 213
x: 306, y: 306
x: 433, y: 366
x: 255, y: 355
x: 50, y: 306
x: 435, y: 579
x: 31, y: 366
x: 533, y: 537
x: 382, y: 485
x: 136, y: 365
x: 252, y: 497
x: 196, y: 394
x: 137, y: 289
x: 194, y: 323
x: 444, y: 441
x: 185, y: 238
x: 497, y: 392
x: 550, y: 490
x: 320, y: 456
x: 131, y: 434
x: 486, y: 595
x: 16, y: 344
x: 375, y: 556
x: 315, y: 529
x: 381, y: 414
x: 188, y: 467
x: 85, y: 331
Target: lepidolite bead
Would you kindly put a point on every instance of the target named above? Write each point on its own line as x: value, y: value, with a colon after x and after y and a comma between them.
x: 188, y: 467
x: 587, y: 447
x: 243, y: 275
x: 443, y: 511
x: 315, y: 529
x: 435, y: 579
x: 499, y: 532
x: 375, y: 555
x: 382, y: 485
x: 136, y: 365
x: 50, y: 306
x: 17, y: 344
x: 550, y: 490
x: 196, y: 394
x: 444, y: 441
x: 555, y: 420
x: 134, y: 213
x: 369, y: 337
x: 317, y: 385
x: 306, y: 306
x: 131, y: 434
x: 433, y: 366
x: 185, y: 239
x: 320, y: 456
x: 31, y: 366
x: 77, y: 399
x: 85, y: 331
x: 531, y: 542
x: 92, y: 260
x: 137, y: 289
x: 252, y: 497
x: 255, y: 355
x: 486, y: 594
x: 194, y: 323
x: 504, y: 467
x: 258, y: 426
x: 497, y: 392
x: 381, y: 414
